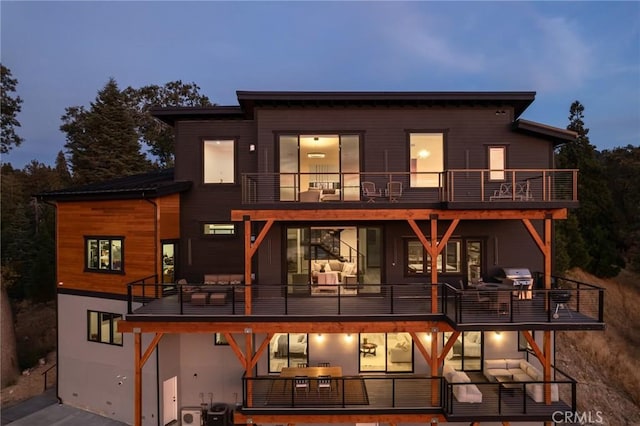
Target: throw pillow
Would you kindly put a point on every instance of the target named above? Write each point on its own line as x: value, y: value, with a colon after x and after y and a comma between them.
x: 327, y: 267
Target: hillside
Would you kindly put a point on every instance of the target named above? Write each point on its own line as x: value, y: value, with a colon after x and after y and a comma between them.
x: 605, y: 364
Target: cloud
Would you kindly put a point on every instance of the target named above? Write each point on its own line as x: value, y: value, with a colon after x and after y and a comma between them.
x: 557, y: 57
x: 425, y: 38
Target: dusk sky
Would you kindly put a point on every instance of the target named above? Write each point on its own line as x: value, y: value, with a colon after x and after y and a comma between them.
x: 63, y: 53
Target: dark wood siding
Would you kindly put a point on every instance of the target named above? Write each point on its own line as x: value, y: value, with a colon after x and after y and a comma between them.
x: 211, y: 203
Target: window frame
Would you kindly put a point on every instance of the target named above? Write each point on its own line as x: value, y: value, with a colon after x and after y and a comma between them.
x: 499, y: 174
x: 98, y: 337
x: 426, y: 259
x: 233, y: 234
x: 234, y: 153
x: 414, y: 178
x: 98, y: 269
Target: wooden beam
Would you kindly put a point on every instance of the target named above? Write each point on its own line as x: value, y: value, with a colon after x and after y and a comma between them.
x: 247, y: 265
x: 546, y: 343
x: 150, y: 348
x: 282, y: 418
x: 548, y: 223
x: 282, y: 327
x: 420, y: 346
x: 447, y: 347
x: 435, y: 394
x: 534, y: 346
x: 394, y: 214
x: 261, y: 349
x: 263, y: 233
x: 137, y: 381
x: 534, y: 234
x: 423, y: 239
x: 235, y: 348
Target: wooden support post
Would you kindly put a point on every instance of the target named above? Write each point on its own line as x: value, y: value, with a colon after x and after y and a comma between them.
x: 435, y: 388
x: 247, y: 265
x: 248, y: 367
x: 547, y: 366
x: 137, y: 404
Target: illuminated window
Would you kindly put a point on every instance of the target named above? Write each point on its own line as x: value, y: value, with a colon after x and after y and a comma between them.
x: 102, y: 327
x: 418, y: 261
x: 219, y: 161
x: 104, y: 254
x: 426, y: 159
x: 497, y: 162
x: 219, y: 229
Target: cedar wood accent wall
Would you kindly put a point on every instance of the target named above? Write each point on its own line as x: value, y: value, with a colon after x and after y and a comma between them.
x: 134, y: 220
x: 468, y: 132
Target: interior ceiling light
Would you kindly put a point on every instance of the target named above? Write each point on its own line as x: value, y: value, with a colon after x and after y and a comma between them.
x: 424, y: 153
x: 316, y: 155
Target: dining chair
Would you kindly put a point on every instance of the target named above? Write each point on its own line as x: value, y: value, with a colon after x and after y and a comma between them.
x: 301, y: 383
x: 302, y: 365
x: 324, y: 364
x: 324, y: 382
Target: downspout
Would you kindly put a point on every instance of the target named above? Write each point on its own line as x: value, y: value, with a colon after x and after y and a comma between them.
x: 155, y: 266
x: 55, y: 206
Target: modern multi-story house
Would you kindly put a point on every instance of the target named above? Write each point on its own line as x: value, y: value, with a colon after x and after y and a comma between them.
x: 343, y: 257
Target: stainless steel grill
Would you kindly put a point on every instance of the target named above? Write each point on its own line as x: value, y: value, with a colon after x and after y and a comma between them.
x: 516, y: 276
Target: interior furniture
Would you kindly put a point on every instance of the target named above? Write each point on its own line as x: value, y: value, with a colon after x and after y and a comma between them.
x: 472, y: 345
x: 225, y: 283
x: 369, y: 191
x: 310, y: 196
x: 344, y: 269
x: 463, y: 389
x: 402, y: 351
x: 324, y: 382
x: 324, y: 364
x: 368, y: 349
x: 301, y: 383
x: 286, y: 346
x: 311, y: 371
x: 302, y: 364
x: 521, y: 371
x: 394, y: 191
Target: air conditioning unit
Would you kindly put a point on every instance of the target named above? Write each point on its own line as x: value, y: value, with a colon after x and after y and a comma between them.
x: 191, y: 416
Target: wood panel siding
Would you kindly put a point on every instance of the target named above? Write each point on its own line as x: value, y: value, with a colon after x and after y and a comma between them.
x: 132, y: 220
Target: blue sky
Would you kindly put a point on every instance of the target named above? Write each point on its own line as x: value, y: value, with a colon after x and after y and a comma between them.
x: 63, y: 53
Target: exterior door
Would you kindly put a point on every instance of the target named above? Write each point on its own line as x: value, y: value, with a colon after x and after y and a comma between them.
x: 170, y: 400
x: 168, y: 262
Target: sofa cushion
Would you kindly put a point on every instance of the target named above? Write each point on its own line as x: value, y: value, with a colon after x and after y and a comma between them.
x: 521, y: 377
x: 492, y: 373
x: 494, y: 363
x: 448, y: 371
x: 348, y: 268
x: 513, y: 363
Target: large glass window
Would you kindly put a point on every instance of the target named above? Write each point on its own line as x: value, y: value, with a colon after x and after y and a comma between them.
x: 104, y: 254
x: 497, y: 162
x: 466, y: 353
x: 102, y: 327
x: 219, y: 161
x: 288, y: 350
x: 386, y: 352
x: 426, y: 159
x: 324, y: 164
x: 417, y: 260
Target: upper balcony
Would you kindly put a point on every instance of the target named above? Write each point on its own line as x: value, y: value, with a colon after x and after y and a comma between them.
x: 573, y: 305
x: 463, y: 188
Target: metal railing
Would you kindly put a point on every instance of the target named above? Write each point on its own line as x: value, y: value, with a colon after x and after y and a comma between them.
x: 454, y: 185
x: 45, y: 373
x: 572, y: 302
x: 512, y: 397
x: 569, y: 302
x: 278, y: 299
x: 346, y: 392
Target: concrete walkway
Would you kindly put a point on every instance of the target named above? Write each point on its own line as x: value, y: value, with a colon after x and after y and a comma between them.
x: 44, y: 410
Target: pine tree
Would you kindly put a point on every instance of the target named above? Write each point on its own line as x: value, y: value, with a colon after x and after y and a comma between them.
x: 102, y: 142
x: 9, y: 109
x: 597, y: 218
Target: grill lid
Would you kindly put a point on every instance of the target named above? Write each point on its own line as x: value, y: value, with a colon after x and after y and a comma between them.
x: 516, y: 276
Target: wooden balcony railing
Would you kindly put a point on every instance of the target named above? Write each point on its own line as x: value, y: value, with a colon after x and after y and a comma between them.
x: 455, y: 185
